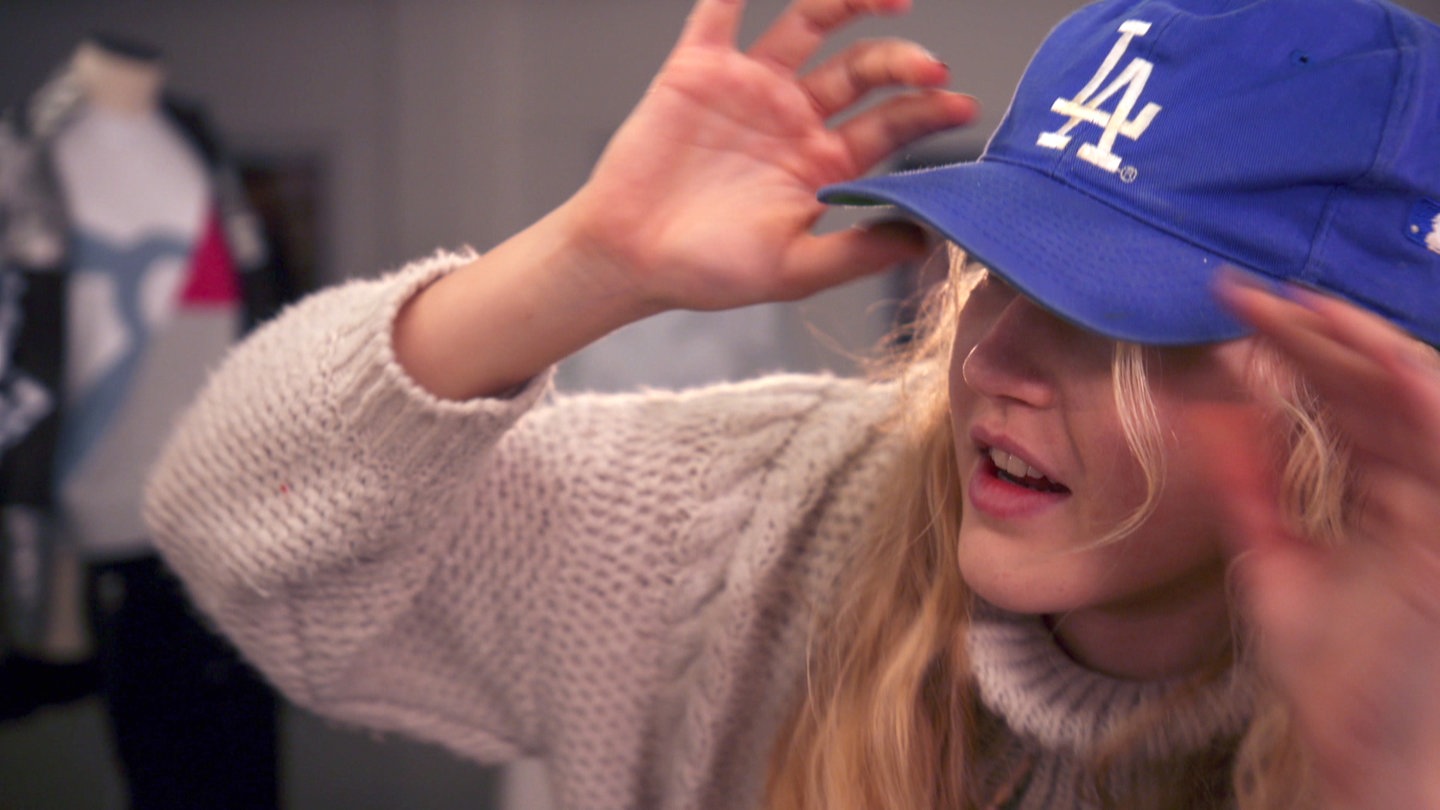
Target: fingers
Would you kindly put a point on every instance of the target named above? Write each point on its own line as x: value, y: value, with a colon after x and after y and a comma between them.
x: 713, y: 23
x: 879, y: 131
x: 870, y: 65
x: 842, y: 81
x: 1380, y: 384
x: 1348, y: 633
x: 1413, y: 368
x: 803, y: 28
x: 1331, y: 341
x: 819, y: 262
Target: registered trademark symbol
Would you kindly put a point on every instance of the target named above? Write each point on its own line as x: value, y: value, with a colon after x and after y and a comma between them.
x: 1128, y: 174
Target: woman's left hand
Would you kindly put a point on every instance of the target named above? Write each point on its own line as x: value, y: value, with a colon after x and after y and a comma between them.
x: 1351, y: 635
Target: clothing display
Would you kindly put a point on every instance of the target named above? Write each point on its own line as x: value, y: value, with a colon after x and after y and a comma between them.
x: 107, y: 221
x: 621, y: 585
x: 140, y: 262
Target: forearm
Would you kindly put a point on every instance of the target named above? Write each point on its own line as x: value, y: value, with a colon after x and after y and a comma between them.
x: 509, y: 314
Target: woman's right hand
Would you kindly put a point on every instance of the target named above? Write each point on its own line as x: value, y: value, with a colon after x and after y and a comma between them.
x: 705, y: 198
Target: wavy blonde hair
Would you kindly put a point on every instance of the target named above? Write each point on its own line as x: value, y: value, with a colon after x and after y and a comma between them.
x: 888, y: 718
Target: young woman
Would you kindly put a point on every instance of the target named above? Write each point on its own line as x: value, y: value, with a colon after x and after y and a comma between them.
x: 1113, y: 533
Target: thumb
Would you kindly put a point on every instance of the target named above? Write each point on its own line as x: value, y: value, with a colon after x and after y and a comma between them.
x: 1279, y: 585
x: 1278, y: 574
x: 819, y: 262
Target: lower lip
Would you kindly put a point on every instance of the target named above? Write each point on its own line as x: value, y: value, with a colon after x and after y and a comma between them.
x: 995, y: 497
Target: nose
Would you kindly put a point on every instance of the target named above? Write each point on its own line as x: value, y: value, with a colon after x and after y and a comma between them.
x: 1015, y: 356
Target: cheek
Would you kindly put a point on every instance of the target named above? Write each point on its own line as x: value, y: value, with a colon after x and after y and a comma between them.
x: 1212, y: 450
x: 1115, y: 484
x: 1112, y: 484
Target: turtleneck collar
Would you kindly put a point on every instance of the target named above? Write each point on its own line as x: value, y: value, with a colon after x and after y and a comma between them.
x: 1028, y: 681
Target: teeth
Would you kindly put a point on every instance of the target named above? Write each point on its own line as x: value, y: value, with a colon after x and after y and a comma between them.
x: 1013, y: 464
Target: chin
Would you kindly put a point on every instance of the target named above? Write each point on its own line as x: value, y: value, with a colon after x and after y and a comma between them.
x: 1026, y: 604
x: 1019, y: 594
x: 1019, y: 582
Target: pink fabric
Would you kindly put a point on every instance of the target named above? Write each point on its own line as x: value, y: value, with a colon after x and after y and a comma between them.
x: 212, y: 280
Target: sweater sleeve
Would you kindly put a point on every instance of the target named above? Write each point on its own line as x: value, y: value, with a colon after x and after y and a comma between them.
x: 491, y: 575
x: 308, y: 495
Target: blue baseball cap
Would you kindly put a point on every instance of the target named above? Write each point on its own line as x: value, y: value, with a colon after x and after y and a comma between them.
x: 1150, y: 142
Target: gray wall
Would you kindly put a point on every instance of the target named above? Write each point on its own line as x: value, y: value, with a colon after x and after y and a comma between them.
x: 442, y: 123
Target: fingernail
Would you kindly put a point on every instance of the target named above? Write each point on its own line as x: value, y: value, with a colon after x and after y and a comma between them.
x: 1305, y: 295
x: 1420, y: 356
x: 1240, y: 277
x: 929, y: 54
x: 1231, y: 281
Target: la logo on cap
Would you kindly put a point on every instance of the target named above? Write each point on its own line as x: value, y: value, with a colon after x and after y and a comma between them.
x: 1085, y: 106
x: 1424, y: 228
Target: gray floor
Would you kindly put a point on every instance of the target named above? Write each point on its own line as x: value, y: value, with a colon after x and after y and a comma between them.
x: 58, y: 759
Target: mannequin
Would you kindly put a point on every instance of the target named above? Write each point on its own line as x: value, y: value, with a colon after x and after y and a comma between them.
x: 137, y: 196
x: 122, y: 77
x: 152, y: 297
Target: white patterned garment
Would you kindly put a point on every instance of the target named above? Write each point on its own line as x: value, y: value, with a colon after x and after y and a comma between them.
x: 23, y: 401
x: 139, y: 200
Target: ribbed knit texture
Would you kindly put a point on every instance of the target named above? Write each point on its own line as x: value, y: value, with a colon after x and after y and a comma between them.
x: 1064, y: 715
x: 622, y: 585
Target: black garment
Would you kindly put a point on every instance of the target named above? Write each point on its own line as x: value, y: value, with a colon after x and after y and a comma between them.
x: 28, y: 684
x: 193, y: 725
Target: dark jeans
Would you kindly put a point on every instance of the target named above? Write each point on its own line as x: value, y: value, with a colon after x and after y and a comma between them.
x: 193, y: 725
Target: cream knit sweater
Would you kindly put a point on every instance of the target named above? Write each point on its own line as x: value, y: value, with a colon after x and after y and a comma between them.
x: 621, y: 585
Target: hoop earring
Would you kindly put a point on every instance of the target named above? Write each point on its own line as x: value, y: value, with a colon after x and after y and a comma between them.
x: 965, y: 367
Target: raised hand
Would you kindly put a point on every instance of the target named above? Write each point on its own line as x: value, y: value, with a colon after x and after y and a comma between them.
x: 704, y: 199
x: 1352, y: 634
x: 706, y: 196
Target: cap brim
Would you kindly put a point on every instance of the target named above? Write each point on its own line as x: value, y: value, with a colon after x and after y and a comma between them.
x: 1084, y: 260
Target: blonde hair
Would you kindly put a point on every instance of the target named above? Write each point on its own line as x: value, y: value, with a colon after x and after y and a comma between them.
x: 888, y: 718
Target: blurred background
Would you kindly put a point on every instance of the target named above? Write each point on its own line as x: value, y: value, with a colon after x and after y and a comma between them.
x: 370, y: 132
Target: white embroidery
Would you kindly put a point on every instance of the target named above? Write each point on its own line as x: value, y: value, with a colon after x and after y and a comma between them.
x: 1432, y: 239
x: 1085, y: 106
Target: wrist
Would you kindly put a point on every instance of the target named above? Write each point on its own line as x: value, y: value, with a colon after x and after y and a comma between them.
x: 526, y: 304
x: 598, y: 263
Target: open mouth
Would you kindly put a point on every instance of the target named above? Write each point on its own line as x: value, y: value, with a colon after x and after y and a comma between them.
x: 1012, y: 469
